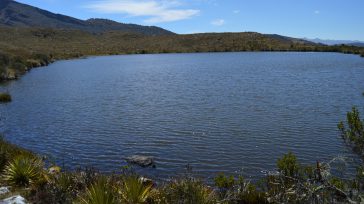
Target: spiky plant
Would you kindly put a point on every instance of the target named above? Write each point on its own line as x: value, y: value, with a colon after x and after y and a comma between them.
x: 23, y: 171
x: 100, y: 192
x: 134, y: 191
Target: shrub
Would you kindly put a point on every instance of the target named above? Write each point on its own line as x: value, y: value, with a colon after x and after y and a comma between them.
x: 186, y: 191
x: 133, y: 190
x: 353, y: 133
x: 224, y: 184
x: 23, y: 171
x: 9, y: 151
x: 5, y: 97
x: 238, y: 190
x: 288, y: 165
x: 100, y: 192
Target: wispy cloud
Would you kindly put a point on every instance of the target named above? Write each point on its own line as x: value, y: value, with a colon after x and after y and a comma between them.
x: 218, y: 22
x: 317, y: 12
x: 155, y: 11
x: 236, y: 11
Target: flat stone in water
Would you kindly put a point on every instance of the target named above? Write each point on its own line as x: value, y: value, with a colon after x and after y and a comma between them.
x: 143, y: 161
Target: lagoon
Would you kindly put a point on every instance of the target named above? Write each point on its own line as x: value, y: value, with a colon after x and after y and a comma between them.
x: 216, y: 112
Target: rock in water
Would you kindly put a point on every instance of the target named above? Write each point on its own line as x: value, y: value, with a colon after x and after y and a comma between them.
x: 143, y: 161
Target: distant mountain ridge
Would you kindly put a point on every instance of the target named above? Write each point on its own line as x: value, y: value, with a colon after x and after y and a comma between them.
x: 14, y: 14
x: 336, y: 42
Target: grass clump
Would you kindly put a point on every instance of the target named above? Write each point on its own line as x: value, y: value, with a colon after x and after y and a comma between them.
x: 5, y: 97
x: 100, y: 192
x: 133, y: 190
x: 189, y: 190
x: 9, y: 151
x: 23, y: 171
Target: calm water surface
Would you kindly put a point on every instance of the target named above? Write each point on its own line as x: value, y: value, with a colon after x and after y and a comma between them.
x: 231, y: 112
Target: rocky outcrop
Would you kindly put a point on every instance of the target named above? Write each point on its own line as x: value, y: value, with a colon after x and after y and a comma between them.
x: 17, y: 199
x: 14, y: 200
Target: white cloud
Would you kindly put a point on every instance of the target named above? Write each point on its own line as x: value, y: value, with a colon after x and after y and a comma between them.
x: 155, y: 11
x: 317, y: 12
x: 218, y: 22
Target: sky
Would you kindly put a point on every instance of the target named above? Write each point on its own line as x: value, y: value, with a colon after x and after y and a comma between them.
x: 325, y: 19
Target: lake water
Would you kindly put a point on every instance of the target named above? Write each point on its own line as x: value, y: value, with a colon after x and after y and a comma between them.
x: 217, y: 112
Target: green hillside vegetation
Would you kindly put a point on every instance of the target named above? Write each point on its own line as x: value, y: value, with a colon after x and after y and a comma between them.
x: 24, y: 48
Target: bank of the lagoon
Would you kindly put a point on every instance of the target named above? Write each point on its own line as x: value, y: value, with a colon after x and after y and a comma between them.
x: 230, y: 112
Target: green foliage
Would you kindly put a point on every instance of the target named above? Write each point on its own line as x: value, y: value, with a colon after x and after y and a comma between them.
x: 4, y: 59
x: 42, y: 58
x: 353, y: 132
x: 100, y: 192
x: 224, y: 182
x: 337, y: 182
x: 5, y: 97
x: 188, y: 191
x: 23, y: 171
x: 133, y: 190
x: 9, y: 151
x: 288, y: 165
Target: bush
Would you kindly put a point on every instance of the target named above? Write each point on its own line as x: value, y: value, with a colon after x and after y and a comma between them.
x: 23, y: 171
x: 100, y: 192
x: 353, y: 132
x: 288, y: 165
x: 9, y: 151
x: 5, y: 97
x: 186, y: 191
x: 133, y: 190
x: 238, y: 190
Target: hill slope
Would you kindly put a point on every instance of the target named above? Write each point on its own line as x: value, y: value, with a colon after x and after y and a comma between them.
x: 14, y: 14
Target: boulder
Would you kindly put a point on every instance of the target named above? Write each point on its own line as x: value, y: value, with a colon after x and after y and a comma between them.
x: 4, y: 190
x: 14, y: 200
x: 140, y: 160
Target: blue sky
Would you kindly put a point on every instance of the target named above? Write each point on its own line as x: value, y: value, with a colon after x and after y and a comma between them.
x: 326, y: 19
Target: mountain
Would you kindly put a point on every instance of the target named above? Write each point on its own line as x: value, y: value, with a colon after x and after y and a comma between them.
x: 335, y: 42
x: 14, y: 14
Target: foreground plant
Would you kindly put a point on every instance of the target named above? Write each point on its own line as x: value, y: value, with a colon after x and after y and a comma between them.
x: 100, y: 192
x: 237, y: 190
x: 134, y: 191
x: 353, y: 132
x: 189, y: 190
x: 24, y: 171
